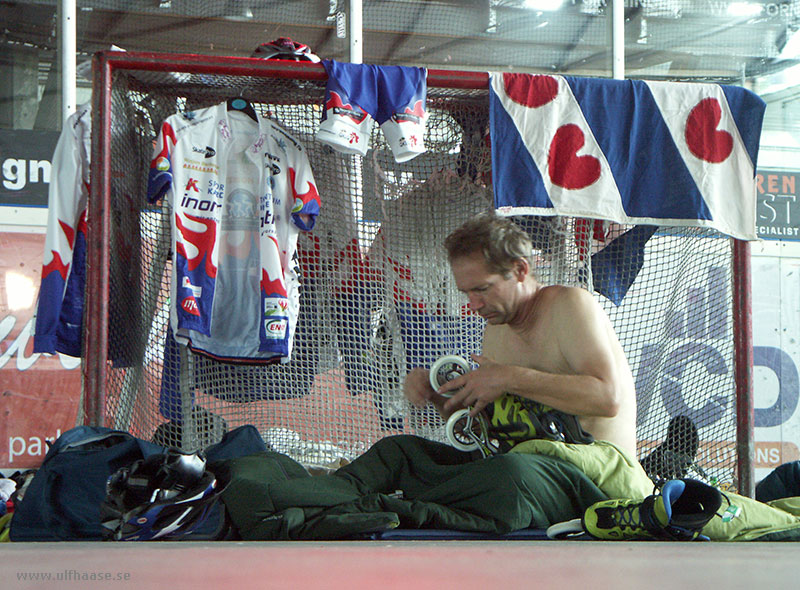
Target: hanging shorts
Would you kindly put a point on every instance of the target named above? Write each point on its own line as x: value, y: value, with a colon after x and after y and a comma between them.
x: 358, y: 95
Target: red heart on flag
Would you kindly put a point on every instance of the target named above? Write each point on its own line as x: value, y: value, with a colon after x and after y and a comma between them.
x: 530, y: 90
x: 566, y: 168
x: 702, y: 136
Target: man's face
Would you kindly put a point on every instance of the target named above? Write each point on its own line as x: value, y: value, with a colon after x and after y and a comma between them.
x: 490, y: 295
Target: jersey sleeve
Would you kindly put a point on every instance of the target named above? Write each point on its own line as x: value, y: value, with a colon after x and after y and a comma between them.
x: 66, y: 219
x: 160, y: 177
x: 305, y: 197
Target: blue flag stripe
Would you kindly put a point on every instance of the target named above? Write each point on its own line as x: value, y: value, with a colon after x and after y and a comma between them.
x: 652, y: 177
x: 512, y: 165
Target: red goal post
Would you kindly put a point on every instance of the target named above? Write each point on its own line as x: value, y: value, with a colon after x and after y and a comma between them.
x: 372, y: 188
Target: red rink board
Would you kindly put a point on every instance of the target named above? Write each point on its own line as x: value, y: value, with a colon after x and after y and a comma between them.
x: 408, y: 565
x: 40, y: 393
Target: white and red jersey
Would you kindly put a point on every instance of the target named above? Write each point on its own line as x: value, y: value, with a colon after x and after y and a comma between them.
x: 59, y: 314
x: 240, y: 192
x: 432, y: 316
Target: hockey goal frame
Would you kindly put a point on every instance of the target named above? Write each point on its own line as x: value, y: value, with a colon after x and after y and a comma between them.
x: 96, y: 362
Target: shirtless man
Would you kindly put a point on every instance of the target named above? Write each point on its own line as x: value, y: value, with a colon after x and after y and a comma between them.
x: 551, y: 344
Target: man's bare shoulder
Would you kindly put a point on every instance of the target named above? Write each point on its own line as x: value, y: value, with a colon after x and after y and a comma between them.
x: 565, y: 296
x: 567, y: 306
x: 561, y: 290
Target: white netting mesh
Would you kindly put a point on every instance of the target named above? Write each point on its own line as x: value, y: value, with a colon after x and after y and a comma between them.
x: 377, y: 295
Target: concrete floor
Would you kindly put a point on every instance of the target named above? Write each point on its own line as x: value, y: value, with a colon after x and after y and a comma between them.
x: 407, y: 565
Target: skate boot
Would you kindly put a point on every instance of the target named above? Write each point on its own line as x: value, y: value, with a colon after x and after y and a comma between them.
x: 678, y: 513
x: 509, y: 420
x: 513, y: 419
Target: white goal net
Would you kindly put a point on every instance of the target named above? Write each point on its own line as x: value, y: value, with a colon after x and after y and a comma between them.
x: 377, y: 296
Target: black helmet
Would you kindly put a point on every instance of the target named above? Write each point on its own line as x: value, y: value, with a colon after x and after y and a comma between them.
x: 285, y: 48
x: 164, y: 496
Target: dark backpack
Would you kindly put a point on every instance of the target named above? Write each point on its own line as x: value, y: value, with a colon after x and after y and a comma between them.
x: 63, y: 501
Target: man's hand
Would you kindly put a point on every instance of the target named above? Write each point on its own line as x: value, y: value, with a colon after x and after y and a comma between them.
x: 477, y: 388
x: 417, y: 387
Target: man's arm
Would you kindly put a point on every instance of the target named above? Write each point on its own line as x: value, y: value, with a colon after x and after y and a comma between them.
x: 588, y: 385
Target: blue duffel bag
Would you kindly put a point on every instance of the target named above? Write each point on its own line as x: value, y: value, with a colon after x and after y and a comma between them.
x: 62, y: 502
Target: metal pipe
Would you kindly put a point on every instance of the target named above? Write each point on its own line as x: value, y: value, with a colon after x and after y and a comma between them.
x: 743, y: 366
x: 95, y: 366
x: 245, y: 66
x: 67, y: 17
x: 356, y: 31
x: 617, y: 27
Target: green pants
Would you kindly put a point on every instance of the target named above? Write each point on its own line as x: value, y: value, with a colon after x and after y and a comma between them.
x: 404, y: 481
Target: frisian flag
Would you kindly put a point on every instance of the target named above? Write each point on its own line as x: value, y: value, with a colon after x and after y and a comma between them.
x: 629, y: 151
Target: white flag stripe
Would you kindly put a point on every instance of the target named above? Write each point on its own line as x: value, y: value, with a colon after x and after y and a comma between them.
x: 728, y: 187
x: 537, y: 127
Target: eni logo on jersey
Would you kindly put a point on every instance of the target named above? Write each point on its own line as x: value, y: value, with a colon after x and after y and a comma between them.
x: 275, y: 328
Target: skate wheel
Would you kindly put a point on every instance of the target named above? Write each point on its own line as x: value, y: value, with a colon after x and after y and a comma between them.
x: 455, y: 429
x: 446, y: 369
x: 563, y: 530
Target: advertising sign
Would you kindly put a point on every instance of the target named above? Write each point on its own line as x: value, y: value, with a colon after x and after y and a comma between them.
x: 777, y: 209
x: 40, y: 393
x: 776, y: 353
x: 26, y: 163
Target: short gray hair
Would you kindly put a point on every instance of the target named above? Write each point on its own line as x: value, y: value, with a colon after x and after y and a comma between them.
x: 500, y: 240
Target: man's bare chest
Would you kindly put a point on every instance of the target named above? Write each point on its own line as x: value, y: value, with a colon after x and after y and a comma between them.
x: 537, y: 349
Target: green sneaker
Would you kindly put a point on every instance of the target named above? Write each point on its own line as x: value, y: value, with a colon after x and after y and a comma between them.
x: 678, y: 513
